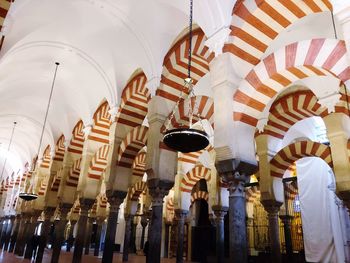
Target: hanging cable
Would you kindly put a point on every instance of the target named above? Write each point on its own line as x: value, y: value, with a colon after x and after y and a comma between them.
x: 190, y: 40
x: 47, y: 109
x: 334, y: 28
x: 8, y: 148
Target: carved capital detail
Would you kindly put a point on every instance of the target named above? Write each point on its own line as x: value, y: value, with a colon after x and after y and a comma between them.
x: 158, y: 189
x: 219, y: 212
x: 115, y: 199
x: 85, y: 205
x: 272, y: 207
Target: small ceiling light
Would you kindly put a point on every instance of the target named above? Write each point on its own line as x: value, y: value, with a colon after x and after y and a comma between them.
x: 186, y: 139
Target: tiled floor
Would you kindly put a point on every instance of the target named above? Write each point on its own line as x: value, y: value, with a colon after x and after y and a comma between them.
x: 67, y: 258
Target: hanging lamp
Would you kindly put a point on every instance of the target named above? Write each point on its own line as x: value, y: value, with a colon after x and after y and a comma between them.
x: 33, y: 196
x: 185, y: 139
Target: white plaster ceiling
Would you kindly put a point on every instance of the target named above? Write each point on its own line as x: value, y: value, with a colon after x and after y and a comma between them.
x: 99, y: 44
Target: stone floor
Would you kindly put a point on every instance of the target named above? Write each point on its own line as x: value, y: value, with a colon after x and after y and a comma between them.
x: 67, y: 258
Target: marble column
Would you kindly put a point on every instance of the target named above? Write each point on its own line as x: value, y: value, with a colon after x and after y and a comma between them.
x: 180, y: 216
x: 220, y: 212
x: 272, y: 209
x: 2, y: 220
x: 158, y: 189
x: 59, y: 232
x: 45, y: 231
x: 14, y: 233
x: 21, y: 242
x: 85, y: 206
x: 144, y: 225
x: 127, y: 236
x: 115, y: 198
x: 287, y: 219
x: 166, y: 240
x: 70, y: 236
x: 4, y: 231
x: 236, y: 174
x: 8, y: 232
x: 88, y: 235
x: 99, y: 223
x: 30, y: 234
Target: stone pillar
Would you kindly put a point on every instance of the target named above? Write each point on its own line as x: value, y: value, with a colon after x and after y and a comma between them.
x: 236, y: 173
x: 15, y: 233
x: 20, y: 244
x: 143, y: 224
x: 166, y: 240
x: 115, y: 198
x: 220, y: 212
x: 127, y: 236
x: 59, y: 232
x: 70, y: 237
x: 30, y: 234
x: 272, y: 208
x: 180, y: 218
x: 85, y: 206
x: 88, y: 235
x: 45, y: 230
x: 158, y: 189
x: 99, y: 222
x: 4, y: 231
x: 1, y: 225
x: 287, y: 219
x: 8, y: 232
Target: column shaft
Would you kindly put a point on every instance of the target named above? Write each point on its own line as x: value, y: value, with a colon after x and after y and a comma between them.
x: 71, y: 237
x: 59, y: 232
x: 30, y: 236
x: 180, y: 217
x: 99, y: 223
x: 14, y: 233
x: 127, y: 236
x: 85, y: 206
x: 45, y: 230
x: 115, y: 198
x: 287, y: 234
x: 88, y: 235
x: 21, y: 240
x: 8, y: 233
x: 220, y: 213
x: 166, y: 240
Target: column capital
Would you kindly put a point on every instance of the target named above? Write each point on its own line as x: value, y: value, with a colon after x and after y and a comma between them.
x: 180, y: 214
x: 272, y: 207
x: 219, y: 211
x: 85, y: 205
x: 236, y: 174
x: 48, y: 212
x: 64, y: 209
x: 115, y: 199
x: 158, y: 189
x: 216, y: 42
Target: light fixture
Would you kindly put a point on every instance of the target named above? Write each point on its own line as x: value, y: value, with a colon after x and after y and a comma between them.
x: 33, y: 196
x: 185, y: 139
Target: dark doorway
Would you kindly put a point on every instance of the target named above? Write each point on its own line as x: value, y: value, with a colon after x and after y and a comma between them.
x: 203, y: 234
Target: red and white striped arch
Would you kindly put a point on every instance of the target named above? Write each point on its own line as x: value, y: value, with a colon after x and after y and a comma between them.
x: 139, y: 164
x: 57, y: 180
x: 46, y: 157
x: 199, y: 195
x: 293, y: 152
x: 170, y: 204
x: 316, y: 57
x: 134, y: 141
x: 134, y: 105
x: 99, y: 163
x: 102, y: 124
x: 193, y: 176
x: 60, y: 149
x: 102, y: 201
x: 192, y: 157
x: 77, y: 142
x: 42, y: 188
x: 137, y: 190
x: 252, y: 193
x: 175, y: 65
x: 290, y: 109
x: 73, y: 175
x: 255, y: 24
x: 202, y: 108
x: 291, y: 189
